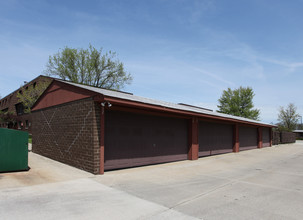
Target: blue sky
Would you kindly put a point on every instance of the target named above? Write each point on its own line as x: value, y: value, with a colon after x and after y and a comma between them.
x: 177, y: 50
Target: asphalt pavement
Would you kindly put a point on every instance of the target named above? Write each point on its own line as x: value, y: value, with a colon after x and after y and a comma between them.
x: 255, y: 184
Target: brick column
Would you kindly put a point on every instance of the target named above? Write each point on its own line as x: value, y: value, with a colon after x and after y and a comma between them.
x: 236, y: 138
x: 101, y: 171
x: 193, y: 133
x: 260, y: 139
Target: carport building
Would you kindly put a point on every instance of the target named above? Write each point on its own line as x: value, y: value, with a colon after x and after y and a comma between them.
x: 97, y: 129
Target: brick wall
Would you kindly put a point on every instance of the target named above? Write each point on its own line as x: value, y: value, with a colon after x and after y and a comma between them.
x: 275, y: 137
x: 69, y: 133
x: 287, y: 137
x: 283, y: 137
x: 8, y: 103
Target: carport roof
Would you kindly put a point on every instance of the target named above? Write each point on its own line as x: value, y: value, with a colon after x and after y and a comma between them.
x: 182, y: 107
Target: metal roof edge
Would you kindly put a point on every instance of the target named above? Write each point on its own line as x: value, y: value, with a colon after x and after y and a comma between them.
x: 164, y: 104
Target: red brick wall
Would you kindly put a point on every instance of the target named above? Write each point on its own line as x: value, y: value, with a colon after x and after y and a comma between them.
x: 287, y: 137
x: 9, y: 102
x: 283, y: 137
x: 69, y: 133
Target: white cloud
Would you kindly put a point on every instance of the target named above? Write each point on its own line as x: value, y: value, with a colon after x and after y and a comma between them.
x: 214, y: 76
x: 291, y: 66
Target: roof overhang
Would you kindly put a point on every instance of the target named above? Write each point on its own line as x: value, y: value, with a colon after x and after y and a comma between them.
x: 121, y: 102
x: 60, y: 92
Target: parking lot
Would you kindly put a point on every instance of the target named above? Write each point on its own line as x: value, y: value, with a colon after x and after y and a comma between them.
x: 256, y: 184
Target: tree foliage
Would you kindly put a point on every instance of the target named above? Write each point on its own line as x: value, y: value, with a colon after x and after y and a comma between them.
x: 238, y: 102
x: 31, y: 93
x: 7, y: 117
x: 288, y: 117
x: 88, y: 66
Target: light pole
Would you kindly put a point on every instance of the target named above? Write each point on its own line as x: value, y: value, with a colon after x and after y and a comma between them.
x: 301, y: 122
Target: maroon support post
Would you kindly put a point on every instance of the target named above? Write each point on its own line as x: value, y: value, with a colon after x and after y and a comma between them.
x: 193, y: 152
x: 260, y: 140
x: 236, y: 138
x: 101, y: 171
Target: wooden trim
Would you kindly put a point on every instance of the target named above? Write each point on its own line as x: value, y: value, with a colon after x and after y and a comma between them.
x: 145, y: 112
x: 142, y: 161
x: 122, y: 102
x: 59, y: 93
x: 248, y: 148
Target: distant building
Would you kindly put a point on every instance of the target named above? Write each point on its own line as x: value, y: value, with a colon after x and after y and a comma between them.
x: 11, y: 103
x: 299, y: 133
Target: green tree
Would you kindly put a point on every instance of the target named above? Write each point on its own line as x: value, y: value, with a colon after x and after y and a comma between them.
x: 7, y: 117
x: 288, y: 117
x: 31, y: 93
x: 238, y: 102
x: 90, y: 67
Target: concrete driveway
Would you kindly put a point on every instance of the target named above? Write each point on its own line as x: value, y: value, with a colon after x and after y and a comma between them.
x: 256, y: 184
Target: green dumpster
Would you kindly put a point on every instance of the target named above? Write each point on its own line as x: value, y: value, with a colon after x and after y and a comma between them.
x: 13, y: 150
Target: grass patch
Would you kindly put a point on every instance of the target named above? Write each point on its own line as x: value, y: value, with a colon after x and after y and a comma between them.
x: 29, y: 139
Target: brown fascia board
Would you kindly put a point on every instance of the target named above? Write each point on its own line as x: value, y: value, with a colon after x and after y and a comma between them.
x: 42, y: 95
x: 176, y: 111
x: 97, y: 97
